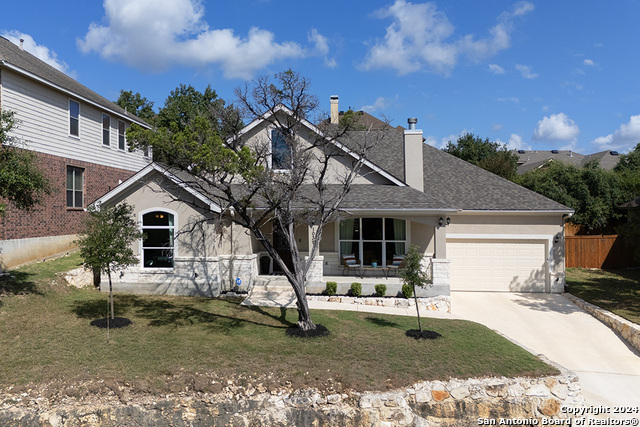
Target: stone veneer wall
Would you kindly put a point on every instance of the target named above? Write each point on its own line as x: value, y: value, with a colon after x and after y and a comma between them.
x: 628, y: 330
x: 432, y: 403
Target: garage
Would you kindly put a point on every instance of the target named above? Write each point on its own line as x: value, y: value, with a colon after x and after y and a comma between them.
x: 503, y: 265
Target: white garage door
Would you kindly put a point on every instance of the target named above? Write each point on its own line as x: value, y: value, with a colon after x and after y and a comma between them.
x: 497, y: 265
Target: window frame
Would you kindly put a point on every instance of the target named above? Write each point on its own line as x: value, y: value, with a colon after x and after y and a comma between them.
x: 141, y: 246
x: 272, y: 139
x: 74, y: 191
x: 106, y: 132
x: 72, y: 118
x: 361, y: 241
x: 122, y: 138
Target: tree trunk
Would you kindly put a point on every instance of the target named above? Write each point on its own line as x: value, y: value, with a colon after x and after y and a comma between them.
x: 415, y: 298
x: 110, y: 294
x: 304, y: 316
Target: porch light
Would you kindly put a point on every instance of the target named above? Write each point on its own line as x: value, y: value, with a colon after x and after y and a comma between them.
x: 448, y: 220
x: 441, y: 222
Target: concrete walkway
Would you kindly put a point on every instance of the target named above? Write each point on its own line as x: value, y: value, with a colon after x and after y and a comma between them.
x: 549, y: 324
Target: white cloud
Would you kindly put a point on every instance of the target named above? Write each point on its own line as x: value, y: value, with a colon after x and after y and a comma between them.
x: 420, y: 38
x: 628, y: 134
x: 157, y: 34
x: 588, y: 62
x: 526, y: 72
x: 510, y: 99
x: 39, y: 51
x: 556, y: 127
x: 497, y: 127
x: 442, y: 142
x: 380, y: 104
x: 321, y: 47
x: 496, y: 69
x: 516, y: 143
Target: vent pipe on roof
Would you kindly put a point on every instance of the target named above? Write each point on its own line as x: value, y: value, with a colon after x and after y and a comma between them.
x: 21, y: 44
x: 412, y: 123
x: 335, y: 110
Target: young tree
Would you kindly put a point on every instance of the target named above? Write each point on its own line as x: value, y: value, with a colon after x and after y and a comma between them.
x: 106, y: 240
x: 238, y: 177
x: 22, y: 182
x: 491, y: 156
x: 413, y: 274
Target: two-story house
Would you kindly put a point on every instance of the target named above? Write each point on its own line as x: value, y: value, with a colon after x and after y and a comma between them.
x: 80, y: 143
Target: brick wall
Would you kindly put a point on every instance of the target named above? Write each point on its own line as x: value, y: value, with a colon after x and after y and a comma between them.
x: 52, y: 217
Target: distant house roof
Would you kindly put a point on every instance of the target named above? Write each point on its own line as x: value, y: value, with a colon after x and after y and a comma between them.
x: 20, y: 61
x: 534, y: 159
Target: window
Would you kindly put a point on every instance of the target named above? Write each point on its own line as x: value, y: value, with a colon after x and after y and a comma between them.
x: 74, y: 118
x: 75, y: 187
x: 280, y: 151
x: 157, y: 243
x: 373, y: 238
x: 106, y: 130
x: 121, y: 130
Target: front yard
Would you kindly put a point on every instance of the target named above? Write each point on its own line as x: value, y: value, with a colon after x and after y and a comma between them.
x: 615, y: 290
x: 178, y: 343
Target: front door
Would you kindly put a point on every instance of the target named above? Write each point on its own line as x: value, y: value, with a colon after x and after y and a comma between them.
x: 282, y: 248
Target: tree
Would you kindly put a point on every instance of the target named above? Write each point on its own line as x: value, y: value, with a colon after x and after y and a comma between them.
x: 136, y: 104
x: 106, y: 241
x: 237, y: 177
x: 594, y: 193
x: 413, y: 274
x: 22, y: 182
x: 491, y: 156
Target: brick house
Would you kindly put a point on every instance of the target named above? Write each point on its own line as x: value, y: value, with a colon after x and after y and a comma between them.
x: 79, y: 140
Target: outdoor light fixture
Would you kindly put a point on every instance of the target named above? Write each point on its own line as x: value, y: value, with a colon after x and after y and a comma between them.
x: 441, y: 222
x: 556, y: 239
x: 448, y: 220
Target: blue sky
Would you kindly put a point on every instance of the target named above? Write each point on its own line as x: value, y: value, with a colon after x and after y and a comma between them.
x: 530, y: 74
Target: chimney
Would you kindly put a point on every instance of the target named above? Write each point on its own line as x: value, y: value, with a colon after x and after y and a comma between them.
x: 21, y: 44
x: 335, y: 110
x: 413, y: 164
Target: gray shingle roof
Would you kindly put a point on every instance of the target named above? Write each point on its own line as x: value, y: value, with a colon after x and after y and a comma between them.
x: 534, y: 159
x: 457, y: 183
x: 13, y: 55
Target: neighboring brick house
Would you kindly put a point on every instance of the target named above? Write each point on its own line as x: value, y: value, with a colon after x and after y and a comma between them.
x: 79, y: 140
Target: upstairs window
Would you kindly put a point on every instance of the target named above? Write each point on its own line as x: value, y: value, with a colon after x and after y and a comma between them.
x: 106, y: 130
x: 75, y: 187
x: 74, y: 118
x: 280, y: 151
x: 121, y: 133
x: 157, y: 243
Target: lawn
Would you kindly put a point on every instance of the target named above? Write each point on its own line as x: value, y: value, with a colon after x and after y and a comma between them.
x: 615, y: 290
x: 175, y: 342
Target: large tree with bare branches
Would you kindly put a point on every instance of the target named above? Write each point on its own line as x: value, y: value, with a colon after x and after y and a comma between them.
x: 294, y: 180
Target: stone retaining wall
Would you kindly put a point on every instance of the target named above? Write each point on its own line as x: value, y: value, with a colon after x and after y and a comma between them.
x: 431, y: 403
x: 439, y: 303
x: 628, y: 330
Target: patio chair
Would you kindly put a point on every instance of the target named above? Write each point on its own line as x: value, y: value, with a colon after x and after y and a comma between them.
x: 396, y: 264
x: 349, y: 262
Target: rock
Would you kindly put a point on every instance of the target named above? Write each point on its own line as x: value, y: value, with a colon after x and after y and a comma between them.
x: 460, y: 393
x: 560, y: 391
x: 439, y: 395
x: 334, y: 398
x: 550, y: 407
x: 539, y: 390
x: 423, y: 396
x: 79, y: 277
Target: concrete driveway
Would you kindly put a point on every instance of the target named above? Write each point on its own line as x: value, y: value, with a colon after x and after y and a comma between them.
x: 549, y: 324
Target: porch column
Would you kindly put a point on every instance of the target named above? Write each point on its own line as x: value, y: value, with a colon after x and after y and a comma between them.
x: 440, y: 251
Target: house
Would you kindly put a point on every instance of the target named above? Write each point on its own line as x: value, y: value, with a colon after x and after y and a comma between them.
x: 535, y: 159
x: 476, y: 230
x: 79, y: 140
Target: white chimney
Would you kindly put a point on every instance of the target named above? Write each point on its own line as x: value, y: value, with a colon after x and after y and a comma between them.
x: 335, y: 110
x: 21, y: 44
x: 413, y: 164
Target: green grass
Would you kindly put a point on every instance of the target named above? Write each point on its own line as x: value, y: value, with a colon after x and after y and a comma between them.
x: 615, y: 290
x: 46, y: 336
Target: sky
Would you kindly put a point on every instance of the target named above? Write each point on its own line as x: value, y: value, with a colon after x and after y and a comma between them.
x: 538, y: 75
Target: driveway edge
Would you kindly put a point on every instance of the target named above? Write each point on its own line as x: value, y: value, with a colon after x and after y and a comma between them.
x: 629, y: 331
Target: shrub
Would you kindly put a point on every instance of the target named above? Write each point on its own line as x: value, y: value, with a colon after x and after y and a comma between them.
x: 331, y: 289
x: 356, y: 289
x: 381, y: 289
x: 407, y: 291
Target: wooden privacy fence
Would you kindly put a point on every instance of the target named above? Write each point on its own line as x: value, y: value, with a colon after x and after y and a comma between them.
x: 604, y: 251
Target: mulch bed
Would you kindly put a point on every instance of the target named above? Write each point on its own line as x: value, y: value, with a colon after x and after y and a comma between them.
x: 422, y: 335
x: 319, y: 331
x: 116, y: 322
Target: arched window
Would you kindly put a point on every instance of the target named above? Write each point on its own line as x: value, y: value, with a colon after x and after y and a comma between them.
x: 158, y: 241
